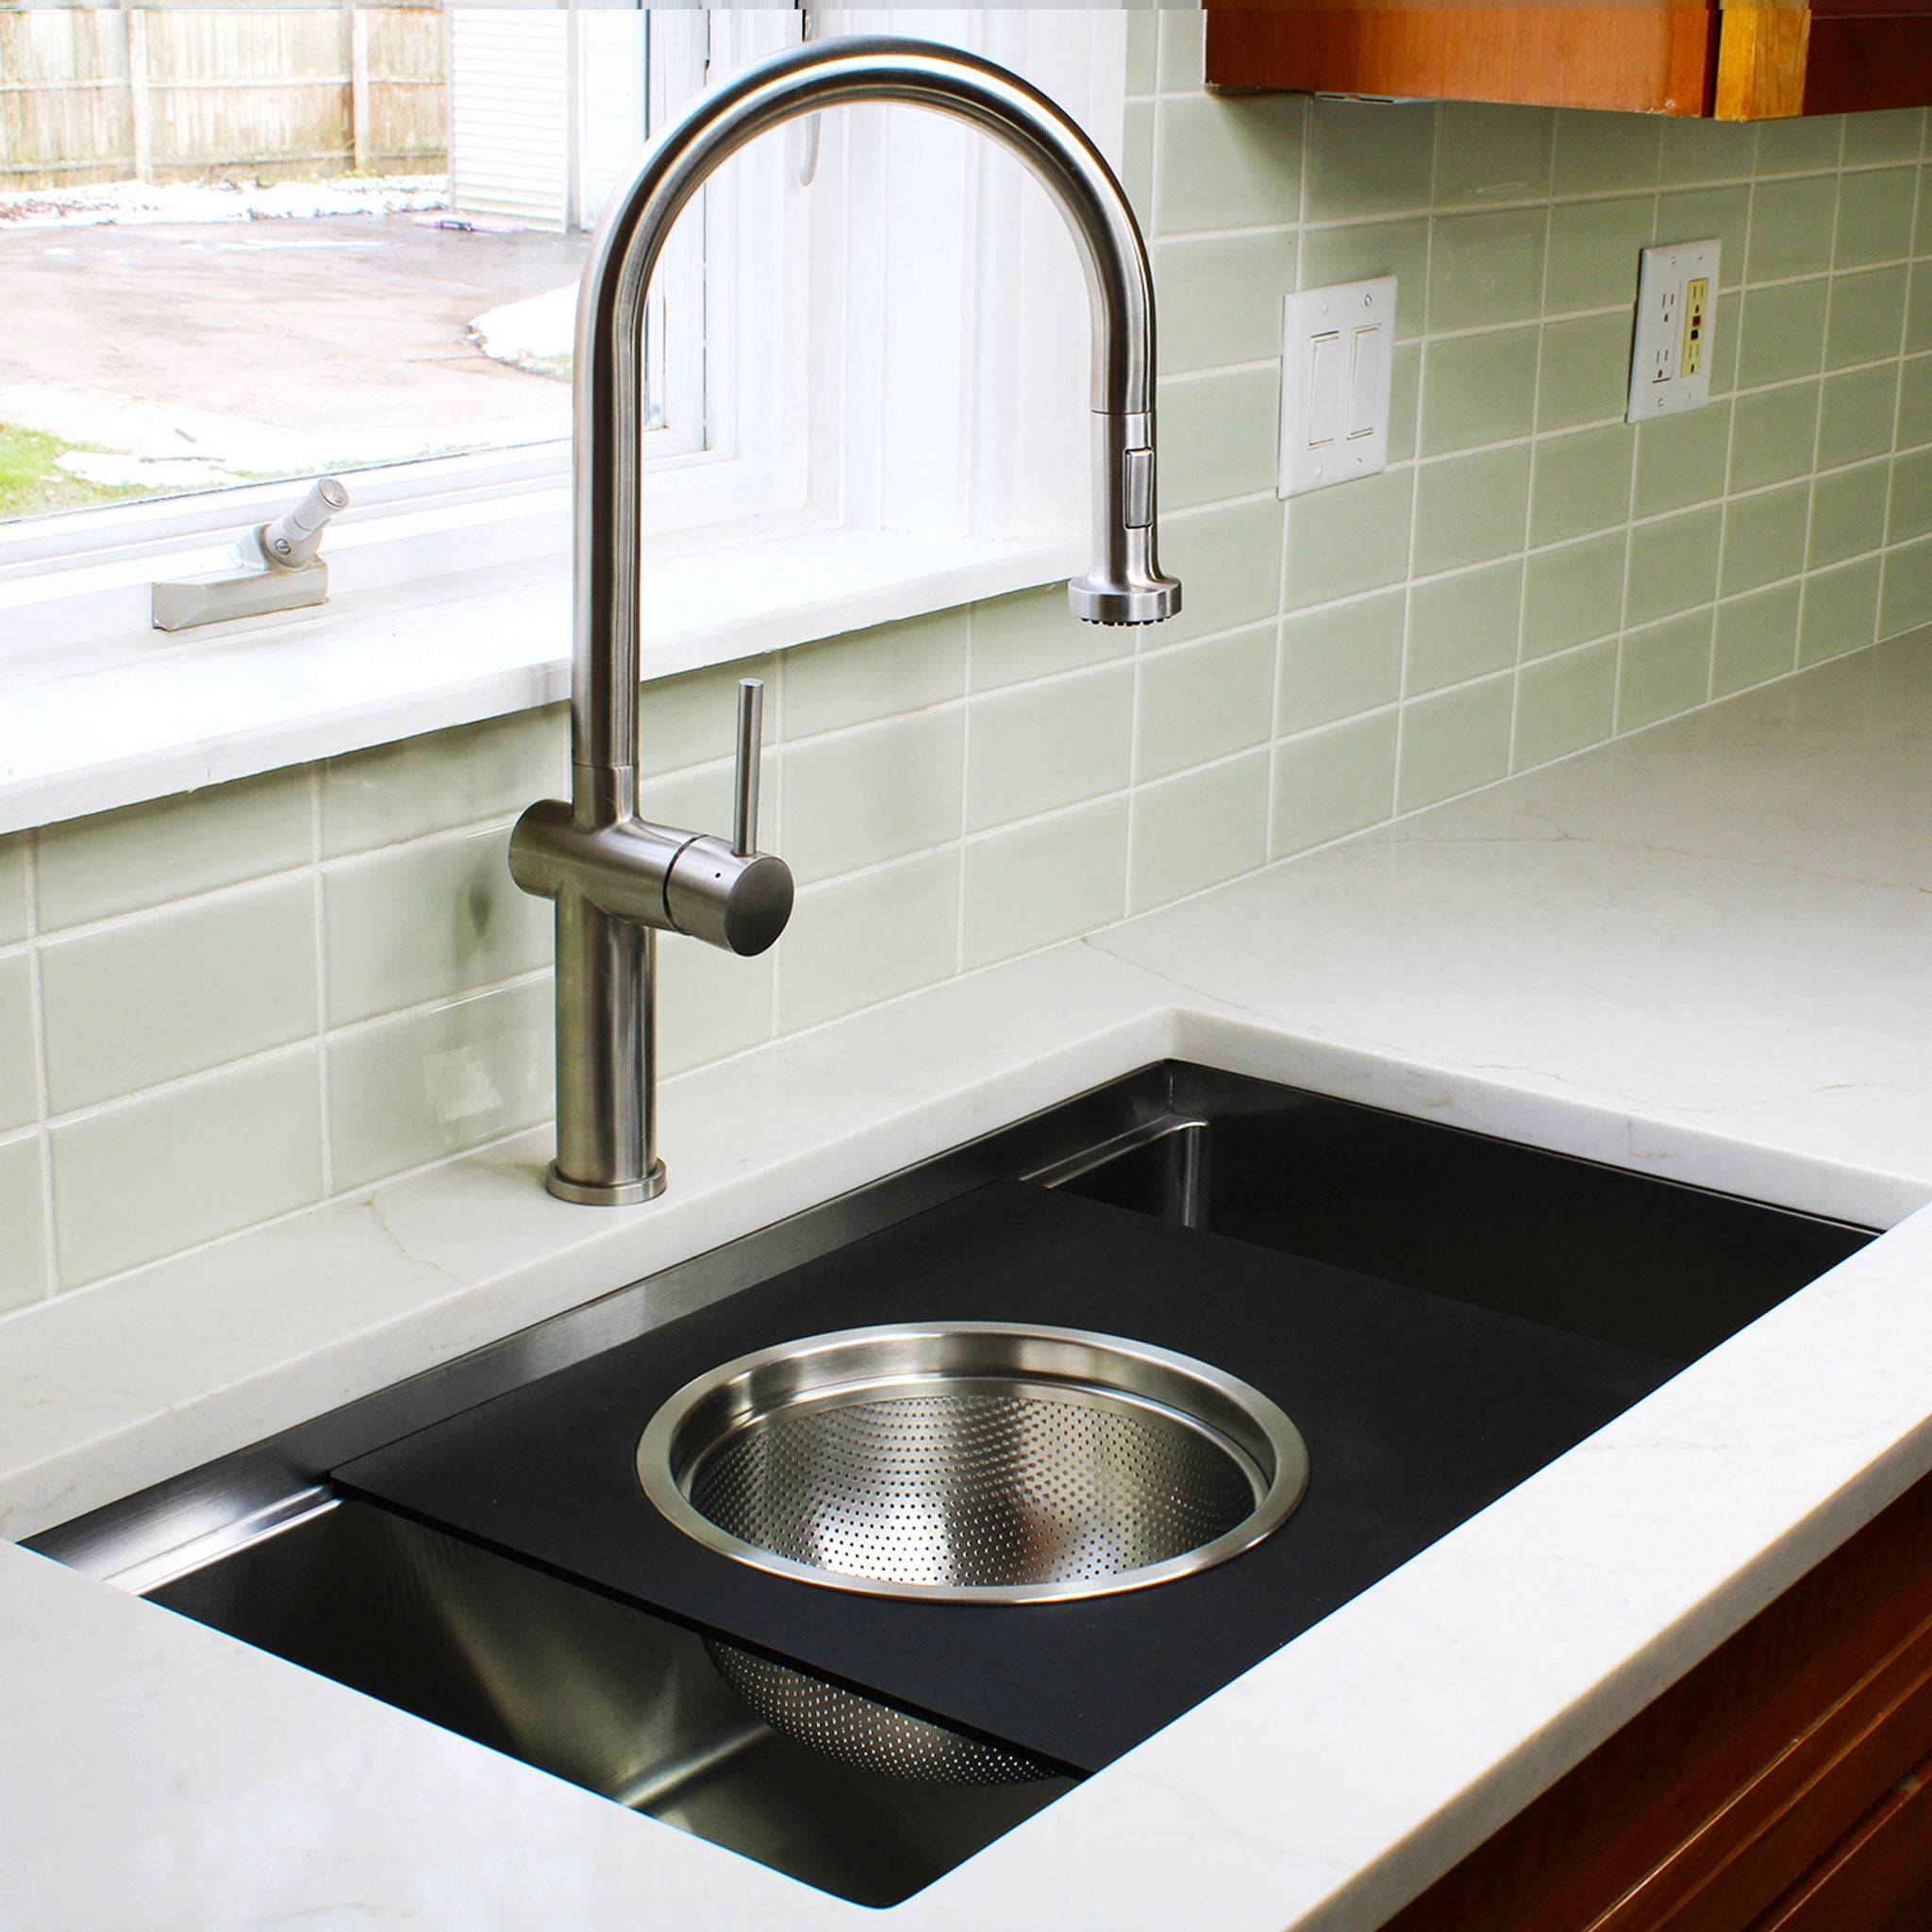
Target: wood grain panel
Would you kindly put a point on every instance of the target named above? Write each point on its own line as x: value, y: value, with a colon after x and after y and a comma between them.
x: 1860, y: 61
x: 1647, y: 59
x: 1760, y: 62
x: 1718, y: 1796
x: 1860, y: 1882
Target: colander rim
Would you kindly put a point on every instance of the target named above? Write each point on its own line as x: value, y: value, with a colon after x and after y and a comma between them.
x: 1244, y: 1422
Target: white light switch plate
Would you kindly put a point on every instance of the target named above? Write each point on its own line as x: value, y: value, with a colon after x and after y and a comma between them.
x: 1337, y: 347
x: 1671, y: 347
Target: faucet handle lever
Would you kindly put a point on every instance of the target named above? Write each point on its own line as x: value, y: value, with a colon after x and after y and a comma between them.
x: 750, y: 732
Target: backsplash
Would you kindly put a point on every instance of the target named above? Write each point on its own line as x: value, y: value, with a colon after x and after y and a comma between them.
x: 222, y: 1007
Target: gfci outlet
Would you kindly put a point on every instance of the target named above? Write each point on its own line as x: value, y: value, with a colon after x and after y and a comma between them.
x: 1337, y: 348
x: 1670, y: 354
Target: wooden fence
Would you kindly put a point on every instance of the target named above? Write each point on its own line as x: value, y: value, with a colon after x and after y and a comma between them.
x: 163, y: 94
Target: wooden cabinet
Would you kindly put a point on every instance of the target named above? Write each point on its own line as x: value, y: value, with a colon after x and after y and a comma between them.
x: 1735, y: 62
x: 1780, y: 1787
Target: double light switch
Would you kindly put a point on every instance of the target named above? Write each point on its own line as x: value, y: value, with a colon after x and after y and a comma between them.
x: 1335, y: 382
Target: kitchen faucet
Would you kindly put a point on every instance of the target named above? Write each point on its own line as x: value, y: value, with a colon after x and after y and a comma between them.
x: 618, y: 879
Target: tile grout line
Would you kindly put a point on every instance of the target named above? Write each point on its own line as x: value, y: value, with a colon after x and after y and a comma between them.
x: 37, y: 1020
x: 317, y: 916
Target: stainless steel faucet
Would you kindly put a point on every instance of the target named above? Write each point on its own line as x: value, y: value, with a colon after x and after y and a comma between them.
x: 617, y: 878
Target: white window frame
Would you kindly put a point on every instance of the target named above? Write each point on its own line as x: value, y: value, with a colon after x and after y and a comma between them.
x: 917, y: 440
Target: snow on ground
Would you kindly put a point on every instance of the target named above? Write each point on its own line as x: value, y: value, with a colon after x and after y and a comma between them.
x: 221, y: 201
x: 533, y: 334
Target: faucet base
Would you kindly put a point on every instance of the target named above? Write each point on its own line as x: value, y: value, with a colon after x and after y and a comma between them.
x: 606, y: 1193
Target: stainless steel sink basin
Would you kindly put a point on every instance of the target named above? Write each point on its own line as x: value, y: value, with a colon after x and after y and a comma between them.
x: 512, y: 1654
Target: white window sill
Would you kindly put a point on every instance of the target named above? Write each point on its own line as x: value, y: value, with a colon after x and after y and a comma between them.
x: 165, y: 714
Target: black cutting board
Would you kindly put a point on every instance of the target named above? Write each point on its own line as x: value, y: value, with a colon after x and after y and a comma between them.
x: 1417, y: 1412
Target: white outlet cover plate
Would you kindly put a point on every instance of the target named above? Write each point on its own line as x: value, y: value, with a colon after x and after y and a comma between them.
x: 1665, y: 272
x: 1337, y: 350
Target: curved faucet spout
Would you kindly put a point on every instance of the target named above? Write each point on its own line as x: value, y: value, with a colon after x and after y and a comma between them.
x: 618, y: 880
x: 1123, y: 585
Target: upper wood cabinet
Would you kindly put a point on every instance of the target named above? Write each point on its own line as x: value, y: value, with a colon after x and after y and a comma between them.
x: 1732, y: 61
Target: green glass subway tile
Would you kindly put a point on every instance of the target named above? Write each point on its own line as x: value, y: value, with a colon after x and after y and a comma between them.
x: 724, y: 1004
x: 1724, y: 343
x: 1593, y: 251
x: 1764, y: 538
x: 153, y: 1176
x: 1680, y: 460
x: 1478, y: 389
x: 1468, y: 509
x: 1461, y: 627
x: 1352, y: 537
x: 1361, y: 250
x: 1221, y: 298
x: 1566, y: 705
x: 1894, y: 136
x: 408, y: 1091
x: 1773, y: 435
x: 1143, y: 49
x: 1042, y: 746
x: 1664, y: 670
x: 146, y: 855
x: 1723, y: 214
x: 1756, y: 638
x: 1791, y: 227
x: 1911, y: 496
x: 877, y: 673
x: 1194, y: 831
x: 1053, y: 879
x: 1840, y: 610
x: 1674, y: 564
x: 1183, y: 39
x: 1800, y: 146
x: 1782, y: 332
x: 854, y: 941
x: 1136, y: 161
x: 1582, y: 482
x: 1599, y: 154
x: 1573, y: 594
x: 1454, y: 741
x: 1330, y: 783
x: 1847, y: 513
x: 12, y: 888
x: 1230, y: 161
x: 1034, y: 635
x: 219, y: 980
x: 687, y: 720
x: 20, y: 1098
x: 422, y: 922
x: 1856, y: 415
x: 1368, y: 158
x: 1918, y: 309
x: 1922, y: 226
x: 1868, y: 313
x: 1908, y: 600
x: 1875, y: 216
x: 1699, y: 150
x: 1584, y: 376
x: 1405, y: 396
x: 1340, y: 662
x: 861, y: 797
x: 1203, y: 701
x: 1486, y: 269
x: 1493, y: 153
x: 1219, y: 436
x: 448, y: 778
x: 1228, y: 560
x: 23, y: 1214
x: 1914, y: 404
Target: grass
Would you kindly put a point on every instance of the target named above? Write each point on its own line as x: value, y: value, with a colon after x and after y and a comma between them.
x: 32, y: 481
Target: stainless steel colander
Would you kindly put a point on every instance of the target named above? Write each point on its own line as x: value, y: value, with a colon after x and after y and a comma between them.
x: 962, y: 1462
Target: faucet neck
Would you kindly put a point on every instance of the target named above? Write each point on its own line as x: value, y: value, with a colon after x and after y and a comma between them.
x: 608, y: 372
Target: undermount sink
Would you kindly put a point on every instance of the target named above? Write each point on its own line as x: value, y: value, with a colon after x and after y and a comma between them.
x: 512, y: 1547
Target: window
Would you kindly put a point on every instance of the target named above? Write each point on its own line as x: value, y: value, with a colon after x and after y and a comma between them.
x: 873, y: 332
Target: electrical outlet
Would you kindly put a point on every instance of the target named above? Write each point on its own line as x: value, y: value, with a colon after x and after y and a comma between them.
x: 1670, y: 351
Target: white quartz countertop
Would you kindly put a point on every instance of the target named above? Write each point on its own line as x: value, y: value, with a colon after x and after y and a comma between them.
x: 1705, y: 952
